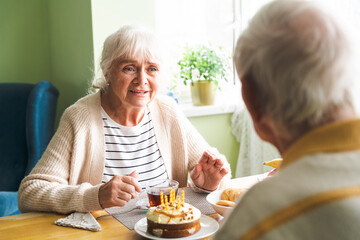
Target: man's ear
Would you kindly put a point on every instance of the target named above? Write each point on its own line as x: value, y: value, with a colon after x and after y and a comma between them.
x: 251, y: 98
x: 262, y: 125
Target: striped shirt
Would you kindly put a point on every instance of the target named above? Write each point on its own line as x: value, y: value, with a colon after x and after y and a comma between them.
x: 132, y: 148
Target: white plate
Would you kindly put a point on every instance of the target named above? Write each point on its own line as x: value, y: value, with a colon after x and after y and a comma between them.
x: 208, y: 227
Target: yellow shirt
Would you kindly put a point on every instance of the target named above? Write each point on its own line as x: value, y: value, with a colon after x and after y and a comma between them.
x: 334, y: 137
x: 314, y: 195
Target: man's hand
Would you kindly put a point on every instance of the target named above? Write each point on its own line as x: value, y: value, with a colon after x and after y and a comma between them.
x: 208, y: 173
x: 119, y: 190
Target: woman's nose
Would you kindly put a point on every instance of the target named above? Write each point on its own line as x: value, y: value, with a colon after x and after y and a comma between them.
x: 142, y: 77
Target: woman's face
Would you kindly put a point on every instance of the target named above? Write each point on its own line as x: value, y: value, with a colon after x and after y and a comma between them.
x: 135, y: 82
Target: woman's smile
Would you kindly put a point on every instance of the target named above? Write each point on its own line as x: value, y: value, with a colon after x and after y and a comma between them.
x: 139, y: 93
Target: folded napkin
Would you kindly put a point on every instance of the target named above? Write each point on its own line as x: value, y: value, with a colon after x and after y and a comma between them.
x: 80, y: 220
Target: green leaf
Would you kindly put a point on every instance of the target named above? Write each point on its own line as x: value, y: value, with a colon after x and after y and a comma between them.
x: 212, y: 64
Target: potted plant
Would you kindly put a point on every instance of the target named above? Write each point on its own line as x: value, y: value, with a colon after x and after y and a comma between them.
x: 204, y: 67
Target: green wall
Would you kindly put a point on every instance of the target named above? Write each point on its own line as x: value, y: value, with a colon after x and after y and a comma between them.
x: 47, y: 40
x: 216, y: 129
x: 53, y: 40
x: 71, y: 49
x: 24, y: 41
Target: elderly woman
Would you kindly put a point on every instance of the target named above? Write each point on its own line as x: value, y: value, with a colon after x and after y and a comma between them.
x: 110, y: 143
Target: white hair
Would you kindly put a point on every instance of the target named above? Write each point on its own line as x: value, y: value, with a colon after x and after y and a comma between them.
x: 129, y: 42
x: 299, y: 60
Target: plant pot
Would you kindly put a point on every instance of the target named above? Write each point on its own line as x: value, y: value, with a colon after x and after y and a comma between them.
x: 203, y: 93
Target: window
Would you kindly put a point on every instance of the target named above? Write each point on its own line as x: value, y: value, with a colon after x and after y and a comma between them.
x: 182, y: 22
x: 189, y: 22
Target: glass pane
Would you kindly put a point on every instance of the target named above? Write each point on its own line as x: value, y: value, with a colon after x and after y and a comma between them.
x: 193, y: 22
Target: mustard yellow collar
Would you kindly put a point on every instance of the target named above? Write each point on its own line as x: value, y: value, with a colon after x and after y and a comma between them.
x: 334, y: 137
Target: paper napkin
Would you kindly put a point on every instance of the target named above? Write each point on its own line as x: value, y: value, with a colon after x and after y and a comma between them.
x: 80, y: 220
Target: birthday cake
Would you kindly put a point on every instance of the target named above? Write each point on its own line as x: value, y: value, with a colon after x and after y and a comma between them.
x: 173, y: 219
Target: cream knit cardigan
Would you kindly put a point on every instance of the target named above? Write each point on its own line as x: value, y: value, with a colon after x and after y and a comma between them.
x: 68, y: 176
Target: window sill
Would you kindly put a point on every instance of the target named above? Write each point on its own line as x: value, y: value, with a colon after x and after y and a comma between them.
x: 196, y: 111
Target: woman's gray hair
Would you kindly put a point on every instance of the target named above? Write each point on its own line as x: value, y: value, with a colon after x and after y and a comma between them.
x: 129, y: 42
x: 299, y: 60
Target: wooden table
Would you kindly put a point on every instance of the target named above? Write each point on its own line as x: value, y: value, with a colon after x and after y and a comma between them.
x: 41, y: 225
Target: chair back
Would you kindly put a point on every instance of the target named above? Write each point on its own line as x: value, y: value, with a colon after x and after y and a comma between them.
x: 27, y: 120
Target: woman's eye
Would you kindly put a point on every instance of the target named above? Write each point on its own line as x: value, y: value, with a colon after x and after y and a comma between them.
x: 129, y: 69
x: 153, y: 69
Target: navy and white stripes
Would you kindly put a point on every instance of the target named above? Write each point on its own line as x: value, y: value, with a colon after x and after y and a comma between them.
x: 132, y: 148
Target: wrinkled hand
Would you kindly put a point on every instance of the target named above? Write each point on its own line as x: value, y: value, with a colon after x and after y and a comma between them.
x: 208, y: 173
x: 119, y: 190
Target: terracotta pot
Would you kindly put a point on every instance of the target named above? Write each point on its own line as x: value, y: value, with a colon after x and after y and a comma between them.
x: 203, y: 93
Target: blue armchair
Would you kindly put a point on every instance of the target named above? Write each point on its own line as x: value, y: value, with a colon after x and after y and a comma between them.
x: 27, y: 119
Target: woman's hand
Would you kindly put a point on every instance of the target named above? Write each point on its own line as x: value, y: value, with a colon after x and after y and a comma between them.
x: 119, y: 190
x: 208, y: 173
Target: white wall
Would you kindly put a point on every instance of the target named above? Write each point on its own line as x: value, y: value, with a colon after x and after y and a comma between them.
x: 109, y: 15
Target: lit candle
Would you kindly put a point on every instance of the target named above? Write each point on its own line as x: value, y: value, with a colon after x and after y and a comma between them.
x: 170, y: 195
x: 161, y: 198
x: 182, y: 196
x: 166, y: 203
x: 173, y: 196
x: 178, y: 203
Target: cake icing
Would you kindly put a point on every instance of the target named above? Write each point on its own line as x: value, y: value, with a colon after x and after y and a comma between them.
x: 186, y: 214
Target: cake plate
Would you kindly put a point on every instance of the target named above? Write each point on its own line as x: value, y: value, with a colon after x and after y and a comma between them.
x: 208, y: 227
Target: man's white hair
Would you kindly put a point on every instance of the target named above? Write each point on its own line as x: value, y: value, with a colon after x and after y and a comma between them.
x: 300, y: 62
x: 129, y: 42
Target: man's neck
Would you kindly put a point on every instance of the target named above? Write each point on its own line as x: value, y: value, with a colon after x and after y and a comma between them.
x: 282, y: 138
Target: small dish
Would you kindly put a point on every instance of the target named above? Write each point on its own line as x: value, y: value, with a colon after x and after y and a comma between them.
x: 213, y: 198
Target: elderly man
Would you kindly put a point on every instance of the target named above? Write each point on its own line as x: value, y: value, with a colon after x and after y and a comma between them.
x: 296, y: 69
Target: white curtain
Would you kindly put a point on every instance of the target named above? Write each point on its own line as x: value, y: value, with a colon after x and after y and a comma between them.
x: 253, y: 151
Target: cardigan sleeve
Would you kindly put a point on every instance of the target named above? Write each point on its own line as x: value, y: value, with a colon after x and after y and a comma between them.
x: 51, y: 186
